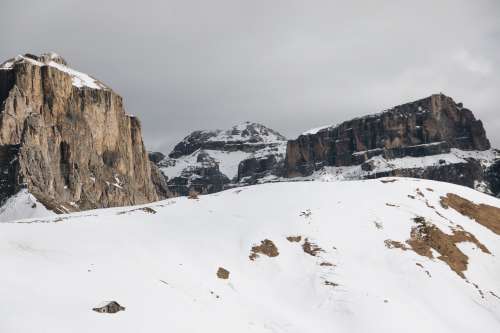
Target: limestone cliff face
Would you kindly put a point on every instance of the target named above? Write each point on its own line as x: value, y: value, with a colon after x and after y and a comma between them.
x: 66, y: 137
x: 428, y: 126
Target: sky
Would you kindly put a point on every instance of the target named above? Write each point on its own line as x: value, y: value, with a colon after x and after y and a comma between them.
x: 184, y: 65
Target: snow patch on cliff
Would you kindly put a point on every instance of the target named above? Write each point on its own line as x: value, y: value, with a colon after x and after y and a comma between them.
x: 53, y: 60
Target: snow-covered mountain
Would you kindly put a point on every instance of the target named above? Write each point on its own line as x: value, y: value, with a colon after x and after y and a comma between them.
x: 433, y: 138
x: 419, y: 256
x: 210, y: 161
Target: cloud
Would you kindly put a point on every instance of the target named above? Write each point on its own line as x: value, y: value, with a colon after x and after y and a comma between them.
x: 183, y: 65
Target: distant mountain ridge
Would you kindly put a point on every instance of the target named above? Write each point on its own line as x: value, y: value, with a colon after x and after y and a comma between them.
x: 432, y: 138
x: 211, y: 161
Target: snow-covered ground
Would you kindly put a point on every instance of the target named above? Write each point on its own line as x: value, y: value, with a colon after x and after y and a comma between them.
x: 23, y: 205
x: 160, y: 262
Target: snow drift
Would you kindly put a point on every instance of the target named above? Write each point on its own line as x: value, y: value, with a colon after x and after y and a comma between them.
x: 284, y: 257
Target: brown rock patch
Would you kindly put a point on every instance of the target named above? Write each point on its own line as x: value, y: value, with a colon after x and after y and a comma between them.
x: 486, y: 215
x: 294, y: 239
x: 266, y: 247
x: 425, y: 237
x: 311, y: 248
x: 222, y: 273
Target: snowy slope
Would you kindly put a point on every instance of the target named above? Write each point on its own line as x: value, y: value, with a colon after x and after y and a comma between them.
x: 160, y: 262
x: 23, y: 205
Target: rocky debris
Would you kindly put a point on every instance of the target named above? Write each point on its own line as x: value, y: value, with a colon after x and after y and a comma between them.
x: 433, y: 126
x: 222, y: 273
x: 109, y: 307
x: 294, y: 239
x: 311, y: 248
x: 266, y: 247
x: 66, y: 138
x: 211, y: 161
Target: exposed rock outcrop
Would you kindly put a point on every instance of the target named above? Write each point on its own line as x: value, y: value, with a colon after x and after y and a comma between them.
x: 493, y: 178
x: 381, y: 144
x: 211, y: 161
x: 66, y: 137
x: 425, y: 127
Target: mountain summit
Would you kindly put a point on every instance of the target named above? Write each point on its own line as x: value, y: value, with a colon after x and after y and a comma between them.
x: 66, y: 139
x: 210, y: 161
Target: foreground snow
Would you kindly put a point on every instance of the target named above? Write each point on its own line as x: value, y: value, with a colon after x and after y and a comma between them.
x: 23, y: 205
x: 160, y: 262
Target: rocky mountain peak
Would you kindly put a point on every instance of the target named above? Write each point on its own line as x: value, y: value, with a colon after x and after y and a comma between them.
x: 210, y: 161
x: 244, y: 136
x: 66, y: 139
x: 433, y: 137
x: 40, y: 60
x: 54, y: 62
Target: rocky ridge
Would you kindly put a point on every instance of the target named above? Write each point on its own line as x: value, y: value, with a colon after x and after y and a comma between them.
x: 433, y: 138
x: 65, y: 137
x: 210, y: 161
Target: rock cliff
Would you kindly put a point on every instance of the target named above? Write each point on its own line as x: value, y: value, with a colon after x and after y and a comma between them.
x: 433, y: 138
x: 66, y: 138
x: 428, y: 126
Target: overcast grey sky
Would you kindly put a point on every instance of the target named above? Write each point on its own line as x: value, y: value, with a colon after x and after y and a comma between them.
x: 183, y: 65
